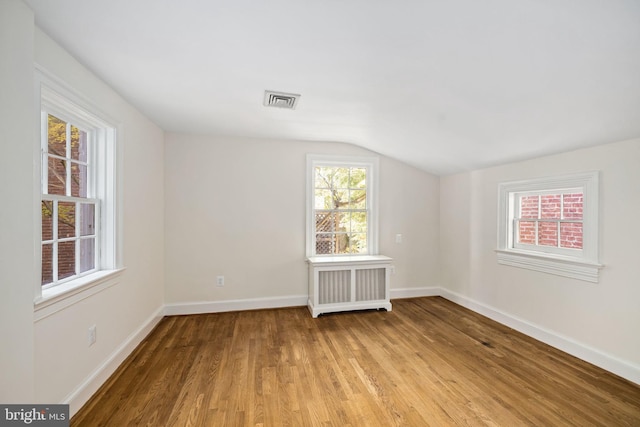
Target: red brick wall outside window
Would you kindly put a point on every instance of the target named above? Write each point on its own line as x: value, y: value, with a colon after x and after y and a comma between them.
x: 551, y: 220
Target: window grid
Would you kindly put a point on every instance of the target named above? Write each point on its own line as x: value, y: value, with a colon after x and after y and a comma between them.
x: 551, y: 219
x: 67, y: 185
x: 341, y: 222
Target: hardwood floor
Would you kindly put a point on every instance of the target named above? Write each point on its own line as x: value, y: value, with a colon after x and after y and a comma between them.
x: 429, y: 362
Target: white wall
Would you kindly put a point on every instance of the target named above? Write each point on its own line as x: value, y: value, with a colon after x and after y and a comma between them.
x: 49, y: 360
x: 236, y: 207
x: 64, y: 363
x: 17, y: 234
x: 599, y: 322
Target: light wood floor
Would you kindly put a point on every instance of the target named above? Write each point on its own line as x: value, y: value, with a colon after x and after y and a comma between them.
x: 428, y: 362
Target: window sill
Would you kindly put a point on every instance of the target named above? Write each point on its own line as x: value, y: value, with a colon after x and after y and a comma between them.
x: 349, y: 260
x: 554, y: 264
x: 62, y: 296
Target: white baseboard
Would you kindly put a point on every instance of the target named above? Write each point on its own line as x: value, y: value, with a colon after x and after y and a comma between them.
x: 415, y: 292
x: 234, y: 305
x: 605, y: 361
x: 183, y: 308
x: 99, y: 376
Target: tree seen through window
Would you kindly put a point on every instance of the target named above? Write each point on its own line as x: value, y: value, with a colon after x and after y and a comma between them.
x: 340, y: 210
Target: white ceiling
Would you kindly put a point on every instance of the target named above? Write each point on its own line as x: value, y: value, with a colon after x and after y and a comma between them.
x: 446, y: 85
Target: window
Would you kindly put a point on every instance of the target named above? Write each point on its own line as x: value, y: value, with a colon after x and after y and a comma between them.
x: 341, y: 206
x: 70, y: 211
x: 78, y: 192
x: 551, y: 225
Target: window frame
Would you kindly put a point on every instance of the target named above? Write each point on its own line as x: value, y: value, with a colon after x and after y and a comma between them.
x: 582, y: 264
x: 371, y: 164
x: 55, y: 97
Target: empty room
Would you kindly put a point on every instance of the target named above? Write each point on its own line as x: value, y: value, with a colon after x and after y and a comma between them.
x: 336, y: 213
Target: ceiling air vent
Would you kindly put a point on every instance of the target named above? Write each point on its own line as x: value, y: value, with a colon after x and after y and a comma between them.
x: 280, y: 99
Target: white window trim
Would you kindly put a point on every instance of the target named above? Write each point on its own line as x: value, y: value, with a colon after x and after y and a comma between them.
x: 372, y: 165
x: 578, y: 264
x: 55, y: 95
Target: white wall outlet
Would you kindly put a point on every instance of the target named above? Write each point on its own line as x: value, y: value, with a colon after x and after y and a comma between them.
x: 220, y: 281
x: 398, y: 238
x: 91, y: 337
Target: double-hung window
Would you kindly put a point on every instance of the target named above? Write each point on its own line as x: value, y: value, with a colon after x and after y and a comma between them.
x: 551, y: 225
x: 70, y: 209
x: 341, y: 206
x: 78, y: 193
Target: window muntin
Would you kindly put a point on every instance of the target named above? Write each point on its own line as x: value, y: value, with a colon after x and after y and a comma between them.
x: 340, y: 210
x: 341, y: 205
x: 69, y: 209
x: 548, y: 221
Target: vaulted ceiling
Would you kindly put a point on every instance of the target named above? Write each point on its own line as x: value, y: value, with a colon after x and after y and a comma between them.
x: 446, y: 86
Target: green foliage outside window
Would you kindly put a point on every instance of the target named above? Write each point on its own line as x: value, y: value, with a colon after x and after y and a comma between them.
x: 340, y: 203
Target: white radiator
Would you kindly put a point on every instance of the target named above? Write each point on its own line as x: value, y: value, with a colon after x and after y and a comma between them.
x: 348, y: 283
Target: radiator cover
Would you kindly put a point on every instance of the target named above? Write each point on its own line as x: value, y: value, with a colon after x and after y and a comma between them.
x: 349, y: 283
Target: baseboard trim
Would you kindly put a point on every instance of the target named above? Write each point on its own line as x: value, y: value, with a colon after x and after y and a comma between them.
x: 101, y: 374
x: 596, y: 357
x: 415, y: 292
x: 183, y: 308
x: 176, y: 309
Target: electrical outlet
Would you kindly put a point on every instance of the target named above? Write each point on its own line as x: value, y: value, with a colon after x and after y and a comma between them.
x: 398, y: 238
x: 220, y: 281
x: 92, y: 335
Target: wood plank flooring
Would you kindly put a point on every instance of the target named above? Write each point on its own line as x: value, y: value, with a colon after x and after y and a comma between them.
x: 429, y: 362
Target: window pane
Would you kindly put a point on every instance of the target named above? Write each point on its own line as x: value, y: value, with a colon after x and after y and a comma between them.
x: 341, y: 178
x: 571, y: 235
x: 323, y: 199
x: 341, y: 198
x: 572, y: 206
x: 57, y: 176
x: 57, y: 136
x: 78, y: 144
x: 358, y: 199
x: 341, y: 243
x: 358, y: 178
x: 66, y: 259
x: 325, y: 244
x: 66, y: 220
x: 47, y: 220
x: 324, y: 177
x: 344, y: 221
x: 87, y: 254
x: 547, y: 233
x: 78, y: 180
x: 47, y: 264
x: 358, y: 222
x: 325, y: 221
x: 529, y: 207
x: 550, y: 206
x: 87, y: 219
x: 357, y: 243
x: 527, y: 232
